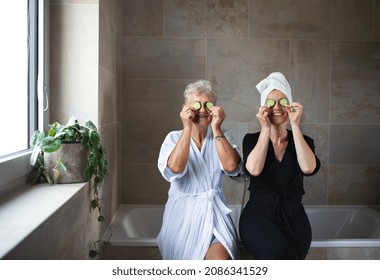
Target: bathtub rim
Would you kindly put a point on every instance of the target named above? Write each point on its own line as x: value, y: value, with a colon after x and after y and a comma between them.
x: 316, y: 243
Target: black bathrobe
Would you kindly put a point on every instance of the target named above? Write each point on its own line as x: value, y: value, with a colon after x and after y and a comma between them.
x: 274, y: 224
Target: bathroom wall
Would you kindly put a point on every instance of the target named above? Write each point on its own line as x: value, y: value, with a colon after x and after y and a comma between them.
x: 328, y: 49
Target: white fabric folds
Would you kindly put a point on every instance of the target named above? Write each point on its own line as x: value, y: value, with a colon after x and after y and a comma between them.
x: 196, y: 209
x: 276, y: 80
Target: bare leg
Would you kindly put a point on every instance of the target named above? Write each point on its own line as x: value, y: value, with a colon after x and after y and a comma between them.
x: 217, y: 252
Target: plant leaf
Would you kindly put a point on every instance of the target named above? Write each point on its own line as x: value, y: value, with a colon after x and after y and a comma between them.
x: 50, y: 144
x: 94, y: 203
x: 56, y: 175
x: 34, y: 156
x: 92, y: 254
x: 61, y: 165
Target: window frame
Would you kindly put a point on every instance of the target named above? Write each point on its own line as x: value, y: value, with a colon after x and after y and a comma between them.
x: 15, y: 168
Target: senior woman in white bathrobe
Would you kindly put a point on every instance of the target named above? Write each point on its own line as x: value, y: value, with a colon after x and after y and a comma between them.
x: 196, y: 223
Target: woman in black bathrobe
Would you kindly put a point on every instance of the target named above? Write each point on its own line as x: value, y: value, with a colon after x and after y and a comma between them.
x: 274, y: 224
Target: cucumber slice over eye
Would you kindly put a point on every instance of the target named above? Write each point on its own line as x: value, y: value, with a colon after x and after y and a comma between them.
x: 209, y: 105
x: 270, y: 102
x: 283, y: 102
x: 197, y: 105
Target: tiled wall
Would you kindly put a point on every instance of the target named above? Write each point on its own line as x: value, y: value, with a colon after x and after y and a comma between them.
x: 328, y: 49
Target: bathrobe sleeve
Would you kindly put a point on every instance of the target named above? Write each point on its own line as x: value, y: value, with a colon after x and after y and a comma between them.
x: 165, y: 151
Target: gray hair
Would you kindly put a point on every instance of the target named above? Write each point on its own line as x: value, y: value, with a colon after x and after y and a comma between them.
x: 200, y: 87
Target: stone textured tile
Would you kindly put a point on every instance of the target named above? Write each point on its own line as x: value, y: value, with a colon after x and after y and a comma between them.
x: 110, y: 137
x: 143, y: 18
x: 132, y: 253
x: 107, y: 43
x: 113, y: 10
x: 143, y: 184
x: 353, y: 253
x: 206, y: 18
x: 355, y: 82
x: 108, y: 97
x: 376, y: 18
x: 238, y: 130
x: 316, y: 186
x: 164, y: 58
x: 354, y: 184
x: 351, y: 19
x: 320, y: 134
x: 151, y: 111
x: 234, y: 190
x: 295, y: 19
x: 236, y: 66
x: 310, y: 78
x: 355, y: 144
x: 316, y: 191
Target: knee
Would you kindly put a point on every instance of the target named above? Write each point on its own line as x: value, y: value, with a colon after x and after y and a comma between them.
x: 217, y: 252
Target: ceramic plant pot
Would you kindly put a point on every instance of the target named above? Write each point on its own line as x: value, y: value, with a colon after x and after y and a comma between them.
x: 73, y: 156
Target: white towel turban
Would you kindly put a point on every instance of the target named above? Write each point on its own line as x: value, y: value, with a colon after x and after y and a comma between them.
x: 277, y: 81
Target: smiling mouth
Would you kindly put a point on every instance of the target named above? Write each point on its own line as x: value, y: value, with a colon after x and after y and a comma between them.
x: 277, y: 114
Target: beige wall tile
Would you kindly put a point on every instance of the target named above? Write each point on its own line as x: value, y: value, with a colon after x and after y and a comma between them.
x: 355, y: 144
x: 164, y: 58
x: 143, y: 184
x: 355, y: 82
x: 310, y: 78
x: 376, y: 18
x: 206, y: 18
x: 108, y: 97
x: 351, y: 19
x: 150, y: 111
x: 143, y: 18
x: 354, y: 184
x: 107, y: 43
x: 295, y: 19
x: 235, y: 66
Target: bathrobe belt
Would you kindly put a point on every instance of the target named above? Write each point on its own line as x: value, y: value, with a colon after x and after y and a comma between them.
x: 212, y: 195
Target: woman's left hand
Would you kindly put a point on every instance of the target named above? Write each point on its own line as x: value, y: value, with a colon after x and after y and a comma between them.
x: 294, y: 110
x: 218, y: 116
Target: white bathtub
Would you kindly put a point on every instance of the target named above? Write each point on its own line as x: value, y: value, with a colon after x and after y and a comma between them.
x: 332, y: 226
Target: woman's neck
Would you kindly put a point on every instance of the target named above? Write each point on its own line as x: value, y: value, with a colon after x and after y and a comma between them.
x: 278, y: 134
x: 198, y: 133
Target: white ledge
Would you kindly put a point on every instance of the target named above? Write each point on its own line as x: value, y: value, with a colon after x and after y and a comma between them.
x: 23, y: 211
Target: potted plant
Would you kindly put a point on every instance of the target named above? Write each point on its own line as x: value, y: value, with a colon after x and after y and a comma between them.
x: 51, y: 160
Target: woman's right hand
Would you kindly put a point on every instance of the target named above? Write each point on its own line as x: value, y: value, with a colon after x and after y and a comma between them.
x: 187, y: 114
x: 262, y: 116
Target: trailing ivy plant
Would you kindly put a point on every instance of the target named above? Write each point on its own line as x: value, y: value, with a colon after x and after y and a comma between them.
x: 96, y: 168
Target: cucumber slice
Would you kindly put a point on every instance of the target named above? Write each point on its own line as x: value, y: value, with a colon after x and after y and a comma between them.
x: 283, y: 102
x: 209, y: 105
x: 270, y: 102
x: 197, y: 105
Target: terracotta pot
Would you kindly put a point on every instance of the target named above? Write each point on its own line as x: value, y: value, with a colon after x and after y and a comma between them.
x: 74, y: 158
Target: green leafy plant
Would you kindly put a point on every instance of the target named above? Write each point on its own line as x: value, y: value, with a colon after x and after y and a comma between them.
x: 96, y: 168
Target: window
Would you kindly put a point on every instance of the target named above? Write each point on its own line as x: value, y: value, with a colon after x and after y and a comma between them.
x: 22, y: 24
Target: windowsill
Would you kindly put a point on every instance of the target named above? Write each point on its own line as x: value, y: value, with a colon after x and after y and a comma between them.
x: 22, y: 211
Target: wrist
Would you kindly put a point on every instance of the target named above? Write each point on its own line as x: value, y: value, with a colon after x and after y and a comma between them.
x: 219, y: 137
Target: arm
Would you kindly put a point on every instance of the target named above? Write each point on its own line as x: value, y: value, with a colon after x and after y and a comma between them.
x: 256, y: 158
x: 228, y: 156
x: 180, y: 155
x: 305, y: 156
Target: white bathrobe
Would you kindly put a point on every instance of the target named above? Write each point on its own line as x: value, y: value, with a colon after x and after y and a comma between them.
x: 196, y: 208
